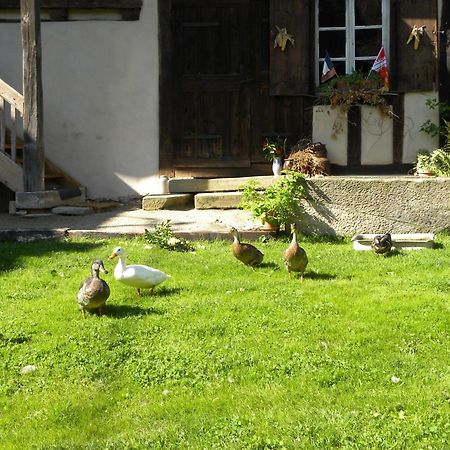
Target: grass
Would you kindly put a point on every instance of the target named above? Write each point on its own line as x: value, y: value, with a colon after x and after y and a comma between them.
x: 223, y: 356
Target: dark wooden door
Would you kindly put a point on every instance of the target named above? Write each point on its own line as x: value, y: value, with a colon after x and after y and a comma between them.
x: 222, y: 104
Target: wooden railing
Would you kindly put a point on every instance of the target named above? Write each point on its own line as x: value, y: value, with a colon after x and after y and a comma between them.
x: 10, y: 100
x: 11, y: 128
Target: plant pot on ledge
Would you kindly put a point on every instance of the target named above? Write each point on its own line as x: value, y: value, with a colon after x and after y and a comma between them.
x: 278, y: 203
x: 272, y: 226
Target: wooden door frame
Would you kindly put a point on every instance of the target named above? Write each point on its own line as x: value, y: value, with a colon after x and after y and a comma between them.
x: 166, y: 85
x: 168, y: 88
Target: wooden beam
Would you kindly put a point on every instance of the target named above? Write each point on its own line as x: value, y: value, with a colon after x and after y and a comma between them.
x: 58, y: 10
x: 354, y: 136
x: 82, y: 4
x: 166, y: 89
x: 398, y: 105
x: 33, y: 153
x: 444, y: 58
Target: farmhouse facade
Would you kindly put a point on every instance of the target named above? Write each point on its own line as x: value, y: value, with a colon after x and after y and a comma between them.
x: 135, y: 89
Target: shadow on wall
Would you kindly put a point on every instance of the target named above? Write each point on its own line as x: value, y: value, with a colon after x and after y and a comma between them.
x: 312, y: 224
x: 6, y: 195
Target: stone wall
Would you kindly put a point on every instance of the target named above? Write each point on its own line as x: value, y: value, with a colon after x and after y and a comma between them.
x: 353, y: 205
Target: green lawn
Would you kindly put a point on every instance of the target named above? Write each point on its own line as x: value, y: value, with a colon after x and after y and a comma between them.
x: 223, y: 356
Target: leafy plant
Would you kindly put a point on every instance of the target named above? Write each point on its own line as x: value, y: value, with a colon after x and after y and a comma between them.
x: 440, y: 162
x: 353, y: 89
x: 274, y: 148
x: 433, y: 129
x: 278, y: 203
x: 423, y: 161
x: 355, y: 80
x: 163, y: 237
x: 437, y: 162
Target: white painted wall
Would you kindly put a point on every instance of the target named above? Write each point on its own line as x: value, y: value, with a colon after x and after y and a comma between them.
x: 100, y: 82
x: 416, y: 114
x: 101, y: 105
x: 376, y: 137
x: 330, y: 128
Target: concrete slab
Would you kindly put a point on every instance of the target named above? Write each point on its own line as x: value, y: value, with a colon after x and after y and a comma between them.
x: 47, y: 199
x: 217, y: 200
x: 73, y: 210
x: 169, y: 201
x: 129, y: 220
x: 195, y: 185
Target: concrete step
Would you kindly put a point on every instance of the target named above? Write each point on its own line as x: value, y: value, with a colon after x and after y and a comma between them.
x: 196, y: 185
x: 217, y: 200
x: 167, y: 201
x: 50, y: 199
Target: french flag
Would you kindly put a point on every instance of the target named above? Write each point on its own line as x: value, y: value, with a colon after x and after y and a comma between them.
x: 328, y: 70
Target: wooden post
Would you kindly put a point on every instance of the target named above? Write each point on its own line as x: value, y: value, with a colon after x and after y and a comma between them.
x: 33, y: 153
x: 444, y: 58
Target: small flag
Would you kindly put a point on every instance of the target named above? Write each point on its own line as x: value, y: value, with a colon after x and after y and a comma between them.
x: 380, y: 66
x: 328, y: 70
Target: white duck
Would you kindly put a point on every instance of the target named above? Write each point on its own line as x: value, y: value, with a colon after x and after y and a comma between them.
x: 136, y: 275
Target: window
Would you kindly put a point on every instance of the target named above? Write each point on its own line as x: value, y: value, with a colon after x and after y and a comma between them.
x: 352, y: 31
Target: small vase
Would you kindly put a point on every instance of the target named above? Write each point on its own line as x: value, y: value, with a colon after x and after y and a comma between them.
x: 277, y: 166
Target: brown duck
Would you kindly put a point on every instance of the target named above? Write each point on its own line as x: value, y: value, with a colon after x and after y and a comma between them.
x: 246, y: 253
x: 295, y: 258
x: 94, y: 291
x: 382, y: 244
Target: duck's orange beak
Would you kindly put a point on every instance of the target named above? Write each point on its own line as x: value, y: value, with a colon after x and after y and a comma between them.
x: 112, y: 256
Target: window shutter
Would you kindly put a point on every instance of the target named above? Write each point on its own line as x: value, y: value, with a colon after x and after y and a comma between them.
x: 413, y: 70
x: 291, y: 69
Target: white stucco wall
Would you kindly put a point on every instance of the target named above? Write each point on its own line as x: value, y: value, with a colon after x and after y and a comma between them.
x: 100, y: 82
x: 416, y: 114
x: 330, y: 128
x: 376, y: 137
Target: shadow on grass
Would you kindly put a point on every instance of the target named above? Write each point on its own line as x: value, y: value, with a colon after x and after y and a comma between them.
x: 393, y: 253
x: 162, y: 292
x: 14, y: 252
x: 319, y: 276
x: 326, y: 239
x: 121, y: 311
x: 268, y: 265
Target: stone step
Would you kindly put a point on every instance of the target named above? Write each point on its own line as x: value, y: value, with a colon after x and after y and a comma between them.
x: 167, y: 201
x: 217, y: 200
x: 50, y: 199
x: 196, y: 185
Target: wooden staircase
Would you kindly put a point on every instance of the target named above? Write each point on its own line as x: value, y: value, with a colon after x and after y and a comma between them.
x: 11, y: 148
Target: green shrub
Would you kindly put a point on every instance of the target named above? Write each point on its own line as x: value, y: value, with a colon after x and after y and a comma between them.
x: 163, y: 237
x: 278, y: 203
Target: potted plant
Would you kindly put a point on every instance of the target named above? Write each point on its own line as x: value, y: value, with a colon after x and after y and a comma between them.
x: 355, y: 89
x: 423, y: 164
x: 278, y: 203
x: 275, y: 150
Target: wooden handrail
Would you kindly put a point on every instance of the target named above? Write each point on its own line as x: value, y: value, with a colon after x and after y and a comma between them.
x: 11, y: 96
x: 16, y: 104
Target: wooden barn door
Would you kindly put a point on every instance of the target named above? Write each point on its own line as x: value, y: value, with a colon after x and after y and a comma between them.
x: 219, y: 102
